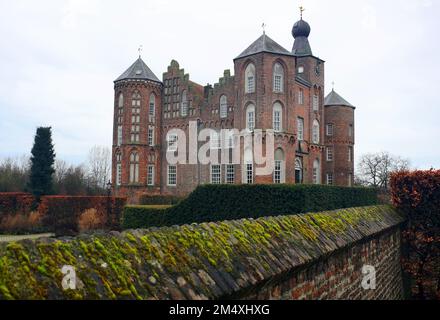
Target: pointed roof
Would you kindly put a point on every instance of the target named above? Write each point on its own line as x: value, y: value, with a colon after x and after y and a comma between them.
x: 334, y: 99
x: 138, y: 71
x: 263, y: 44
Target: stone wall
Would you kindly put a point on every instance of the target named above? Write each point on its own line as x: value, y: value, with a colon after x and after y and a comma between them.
x: 310, y: 256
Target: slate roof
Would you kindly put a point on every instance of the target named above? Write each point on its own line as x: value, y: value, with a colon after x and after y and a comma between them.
x: 334, y: 99
x: 138, y: 71
x: 263, y: 44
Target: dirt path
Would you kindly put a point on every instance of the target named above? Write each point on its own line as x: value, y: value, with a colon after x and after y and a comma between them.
x: 10, y: 238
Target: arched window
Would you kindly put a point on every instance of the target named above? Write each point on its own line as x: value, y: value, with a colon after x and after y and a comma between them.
x: 278, y: 78
x: 134, y: 167
x: 121, y: 101
x: 135, y: 116
x: 250, y: 117
x: 118, y: 168
x: 279, y: 169
x: 315, y: 132
x: 223, y: 106
x: 250, y: 78
x: 298, y: 171
x: 184, y: 104
x: 316, y: 172
x: 277, y: 117
x: 152, y: 110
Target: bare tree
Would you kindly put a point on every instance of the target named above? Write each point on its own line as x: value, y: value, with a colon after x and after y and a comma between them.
x: 14, y: 174
x: 374, y: 169
x: 99, y: 166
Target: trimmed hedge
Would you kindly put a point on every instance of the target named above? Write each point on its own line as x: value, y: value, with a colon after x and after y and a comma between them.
x: 15, y: 202
x: 417, y: 194
x: 62, y: 213
x: 146, y: 199
x: 230, y: 202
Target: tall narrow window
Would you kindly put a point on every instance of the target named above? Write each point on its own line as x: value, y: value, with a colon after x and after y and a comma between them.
x: 118, y: 169
x: 152, y: 110
x: 329, y: 154
x: 248, y: 167
x: 298, y: 171
x: 315, y: 102
x: 215, y: 140
x: 250, y: 78
x: 316, y: 172
x: 329, y: 177
x: 151, y: 136
x: 172, y: 176
x: 350, y: 154
x: 119, y: 135
x: 329, y: 129
x: 121, y: 108
x: 350, y: 130
x: 315, y: 132
x: 172, y: 142
x: 250, y: 117
x: 150, y: 175
x: 135, y: 116
x: 278, y: 78
x: 350, y: 179
x: 223, y: 106
x: 300, y: 129
x: 134, y: 167
x: 216, y: 174
x: 278, y: 173
x: 277, y: 117
x: 301, y: 96
x: 184, y: 104
x: 230, y: 174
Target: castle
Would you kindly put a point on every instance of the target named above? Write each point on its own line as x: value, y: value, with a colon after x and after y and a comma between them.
x: 272, y: 88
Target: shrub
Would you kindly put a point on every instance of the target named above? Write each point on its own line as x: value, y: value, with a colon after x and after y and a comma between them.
x: 231, y: 202
x: 62, y: 213
x: 417, y: 194
x: 146, y: 199
x: 91, y: 219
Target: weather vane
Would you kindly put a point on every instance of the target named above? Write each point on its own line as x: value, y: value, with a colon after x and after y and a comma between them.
x: 301, y: 10
x: 140, y: 50
x: 264, y: 28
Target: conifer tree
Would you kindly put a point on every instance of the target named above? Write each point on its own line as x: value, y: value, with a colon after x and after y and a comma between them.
x: 42, y: 163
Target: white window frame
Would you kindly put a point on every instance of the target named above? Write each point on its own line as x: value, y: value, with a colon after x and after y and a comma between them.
x: 277, y: 117
x: 277, y: 172
x: 172, y: 140
x: 184, y: 104
x: 223, y: 106
x: 329, y: 178
x: 250, y: 78
x: 315, y: 132
x: 150, y: 175
x: 301, y: 96
x: 134, y: 167
x: 330, y: 129
x: 315, y: 102
x: 329, y: 154
x: 278, y: 78
x: 118, y: 174
x: 250, y: 117
x: 119, y: 135
x: 152, y: 107
x: 316, y: 172
x: 229, y: 174
x: 249, y: 173
x: 216, y: 174
x: 151, y: 136
x: 300, y: 128
x: 172, y: 176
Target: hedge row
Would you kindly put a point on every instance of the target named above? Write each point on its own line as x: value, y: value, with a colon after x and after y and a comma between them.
x: 146, y: 199
x: 417, y: 194
x: 64, y: 215
x: 230, y: 202
x: 15, y: 202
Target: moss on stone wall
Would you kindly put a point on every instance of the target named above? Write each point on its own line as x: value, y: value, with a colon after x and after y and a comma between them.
x: 200, y: 261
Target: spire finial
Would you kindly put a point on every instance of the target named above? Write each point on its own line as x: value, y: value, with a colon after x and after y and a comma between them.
x: 140, y: 50
x: 333, y: 86
x: 301, y: 10
x: 263, y: 26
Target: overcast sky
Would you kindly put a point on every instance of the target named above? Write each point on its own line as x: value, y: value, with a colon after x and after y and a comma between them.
x: 58, y: 60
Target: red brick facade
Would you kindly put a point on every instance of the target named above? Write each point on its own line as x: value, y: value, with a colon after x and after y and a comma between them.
x: 301, y: 73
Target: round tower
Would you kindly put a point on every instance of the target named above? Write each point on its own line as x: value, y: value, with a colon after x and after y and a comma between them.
x: 339, y: 141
